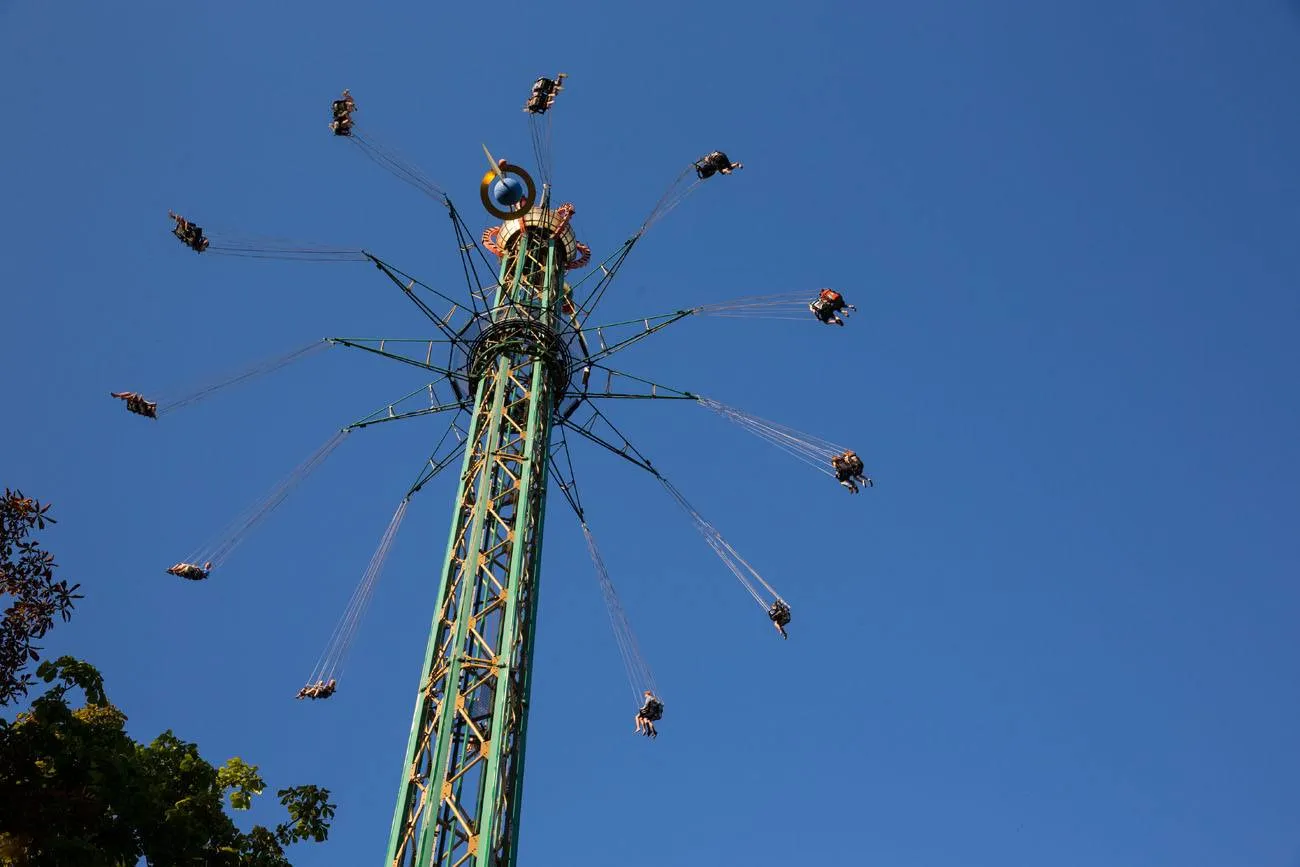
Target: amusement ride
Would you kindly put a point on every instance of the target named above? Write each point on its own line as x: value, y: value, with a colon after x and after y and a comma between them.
x: 520, y: 373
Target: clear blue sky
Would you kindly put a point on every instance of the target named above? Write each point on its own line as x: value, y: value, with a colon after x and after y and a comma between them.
x: 1060, y: 630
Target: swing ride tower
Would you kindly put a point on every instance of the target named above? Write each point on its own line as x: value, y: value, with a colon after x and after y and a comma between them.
x: 528, y: 372
x: 462, y: 779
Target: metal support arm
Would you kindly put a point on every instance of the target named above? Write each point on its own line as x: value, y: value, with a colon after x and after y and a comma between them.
x: 661, y: 322
x: 380, y: 346
x: 626, y: 451
x: 652, y: 390
x: 391, y: 412
x: 408, y: 287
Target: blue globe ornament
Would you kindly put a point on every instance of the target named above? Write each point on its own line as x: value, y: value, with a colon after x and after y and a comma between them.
x: 507, y: 192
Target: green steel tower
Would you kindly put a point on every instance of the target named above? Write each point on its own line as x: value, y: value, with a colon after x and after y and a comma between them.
x: 462, y: 780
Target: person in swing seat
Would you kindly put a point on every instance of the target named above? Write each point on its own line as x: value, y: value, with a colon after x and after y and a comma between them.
x: 854, y: 465
x: 136, y: 403
x: 342, y: 110
x: 189, y: 234
x: 779, y: 614
x: 842, y: 474
x: 713, y: 163
x: 319, y: 689
x: 651, y: 710
x: 543, y: 94
x: 191, y: 571
x: 835, y: 300
x: 824, y: 312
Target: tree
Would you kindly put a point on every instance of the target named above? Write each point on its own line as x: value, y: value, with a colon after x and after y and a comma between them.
x: 27, y: 576
x: 76, y: 789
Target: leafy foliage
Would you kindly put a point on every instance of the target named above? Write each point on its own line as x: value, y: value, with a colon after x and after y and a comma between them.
x: 76, y: 789
x: 27, y: 577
